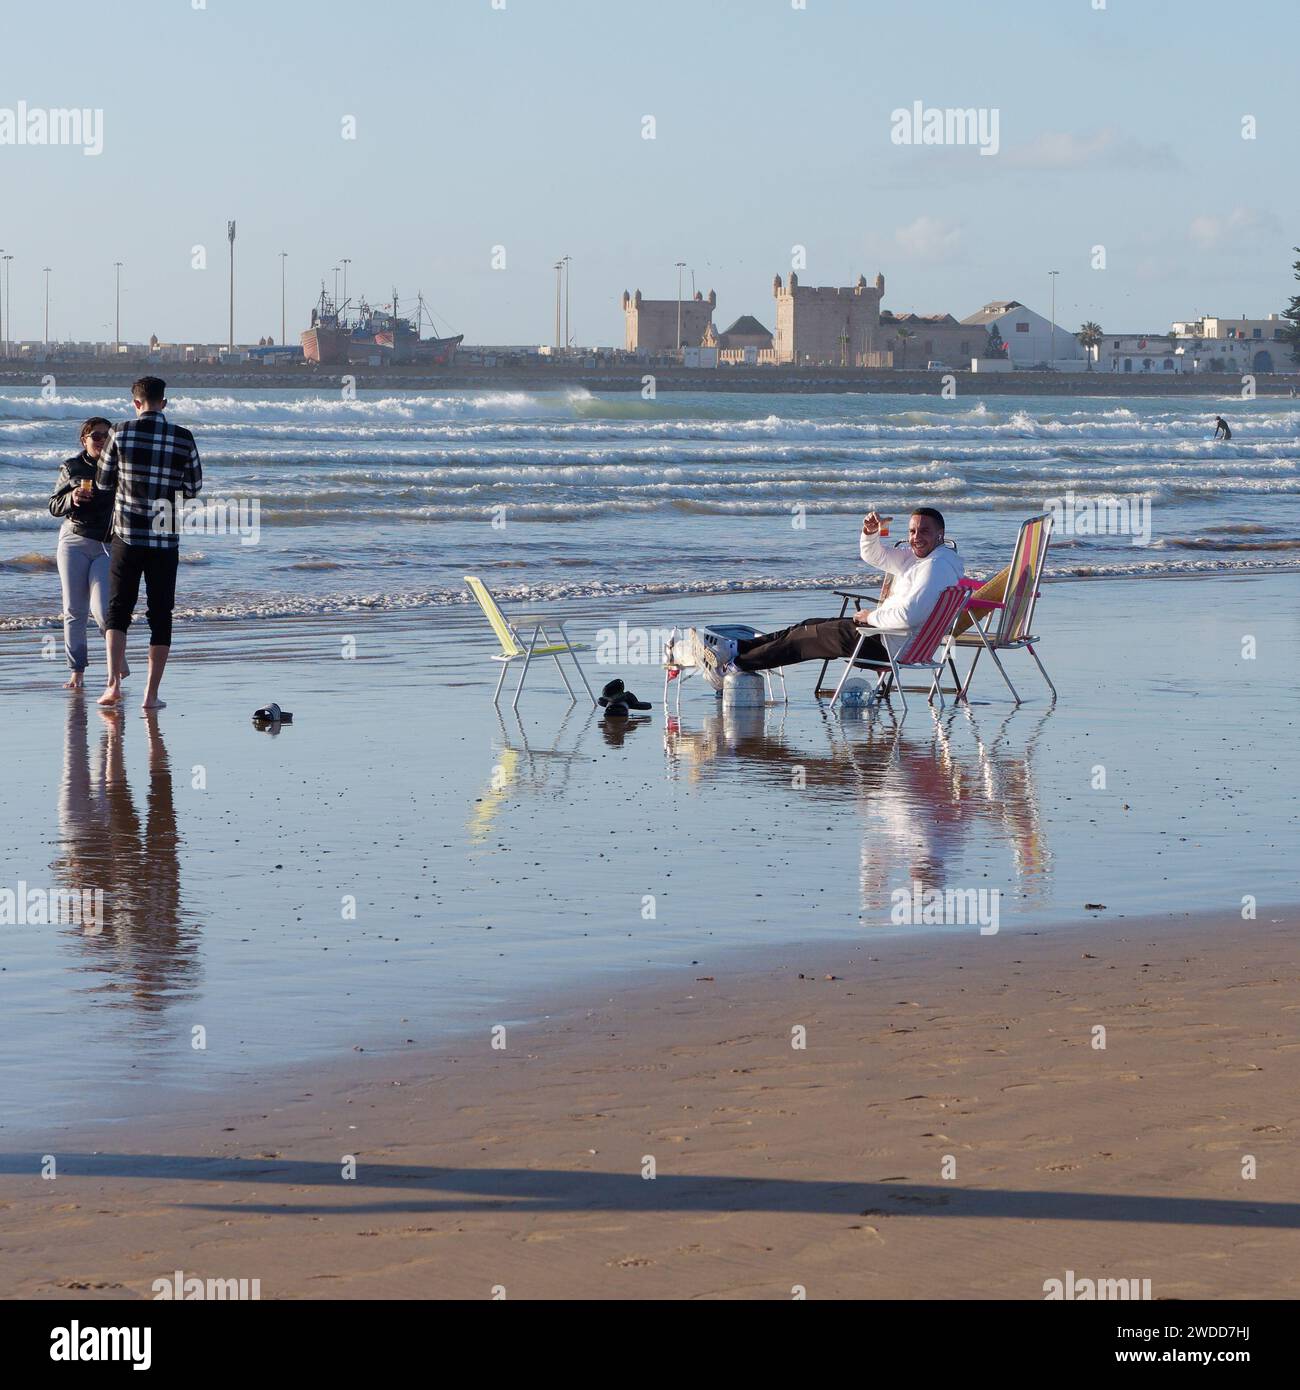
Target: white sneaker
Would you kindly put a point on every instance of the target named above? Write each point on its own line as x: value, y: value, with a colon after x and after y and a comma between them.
x: 713, y: 655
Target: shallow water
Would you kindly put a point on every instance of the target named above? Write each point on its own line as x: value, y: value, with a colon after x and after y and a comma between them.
x: 386, y: 501
x: 497, y: 862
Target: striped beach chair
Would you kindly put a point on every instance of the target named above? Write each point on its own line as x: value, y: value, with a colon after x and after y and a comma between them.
x: 1000, y: 615
x: 911, y: 650
x: 857, y: 597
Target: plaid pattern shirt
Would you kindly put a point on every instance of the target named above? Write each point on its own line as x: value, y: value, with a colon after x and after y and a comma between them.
x: 153, y: 465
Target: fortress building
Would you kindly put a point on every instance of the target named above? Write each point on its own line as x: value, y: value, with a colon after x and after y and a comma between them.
x: 650, y: 325
x: 830, y: 326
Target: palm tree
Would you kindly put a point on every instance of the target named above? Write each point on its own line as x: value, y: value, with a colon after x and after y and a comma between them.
x: 903, y: 334
x: 1089, y: 336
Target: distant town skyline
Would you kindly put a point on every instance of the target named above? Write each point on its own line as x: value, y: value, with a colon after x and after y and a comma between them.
x: 499, y: 140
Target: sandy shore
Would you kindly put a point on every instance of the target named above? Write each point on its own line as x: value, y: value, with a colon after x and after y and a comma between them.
x: 776, y: 1167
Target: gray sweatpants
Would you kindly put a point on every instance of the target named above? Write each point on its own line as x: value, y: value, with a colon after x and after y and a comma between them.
x: 83, y: 571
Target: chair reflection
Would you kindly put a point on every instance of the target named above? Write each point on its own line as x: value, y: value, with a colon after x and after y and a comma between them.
x: 521, y: 765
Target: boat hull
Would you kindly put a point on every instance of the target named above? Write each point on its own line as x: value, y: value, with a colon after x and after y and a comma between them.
x: 328, y: 346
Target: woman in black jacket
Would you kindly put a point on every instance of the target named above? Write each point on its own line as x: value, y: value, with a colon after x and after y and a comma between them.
x: 83, y: 544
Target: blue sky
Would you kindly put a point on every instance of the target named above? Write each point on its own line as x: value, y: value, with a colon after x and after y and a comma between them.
x: 522, y: 127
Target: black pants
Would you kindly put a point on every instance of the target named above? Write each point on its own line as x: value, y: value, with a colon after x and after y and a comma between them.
x: 127, y: 563
x: 814, y: 639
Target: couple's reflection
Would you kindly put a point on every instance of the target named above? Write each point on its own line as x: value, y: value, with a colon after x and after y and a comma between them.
x: 142, y: 947
x: 926, y: 792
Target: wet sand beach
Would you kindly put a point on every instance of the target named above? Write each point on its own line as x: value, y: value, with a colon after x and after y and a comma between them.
x: 499, y: 867
x: 950, y: 1129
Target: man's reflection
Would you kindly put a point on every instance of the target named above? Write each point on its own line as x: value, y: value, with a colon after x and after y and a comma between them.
x: 144, y: 947
x: 920, y: 794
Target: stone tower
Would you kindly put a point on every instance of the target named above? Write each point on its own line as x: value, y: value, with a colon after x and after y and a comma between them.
x: 827, y: 325
x: 650, y: 325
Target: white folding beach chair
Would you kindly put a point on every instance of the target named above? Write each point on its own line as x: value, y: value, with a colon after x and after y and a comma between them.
x: 512, y: 645
x: 908, y: 650
x: 1017, y: 599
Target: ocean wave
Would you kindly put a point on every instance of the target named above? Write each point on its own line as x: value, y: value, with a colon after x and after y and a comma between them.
x: 1219, y: 543
x: 272, y: 606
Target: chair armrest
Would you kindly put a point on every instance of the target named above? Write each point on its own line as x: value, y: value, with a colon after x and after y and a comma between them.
x: 984, y: 603
x: 855, y: 593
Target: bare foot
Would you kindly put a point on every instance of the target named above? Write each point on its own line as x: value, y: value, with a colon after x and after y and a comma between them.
x: 126, y: 671
x: 153, y: 704
x: 74, y: 682
x: 112, y: 694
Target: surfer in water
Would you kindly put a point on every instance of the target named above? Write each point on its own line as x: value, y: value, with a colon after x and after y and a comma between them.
x: 1221, y: 430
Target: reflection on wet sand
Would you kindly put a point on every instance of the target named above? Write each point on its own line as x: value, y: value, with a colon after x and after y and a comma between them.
x: 145, y: 952
x: 923, y: 790
x: 541, y: 765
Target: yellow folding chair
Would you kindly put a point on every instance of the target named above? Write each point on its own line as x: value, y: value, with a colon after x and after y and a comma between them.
x: 512, y: 645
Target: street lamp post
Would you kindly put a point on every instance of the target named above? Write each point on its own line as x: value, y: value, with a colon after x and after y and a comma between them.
x: 117, y: 330
x: 9, y: 313
x: 1052, y: 274
x: 230, y: 235
x: 680, y: 267
x: 284, y: 342
x: 46, y: 269
x: 336, y: 289
x: 567, y: 273
x: 559, y: 276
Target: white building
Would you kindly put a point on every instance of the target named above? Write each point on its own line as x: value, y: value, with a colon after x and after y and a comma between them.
x: 1140, y: 353
x: 1183, y: 352
x: 1256, y: 345
x: 1028, y: 336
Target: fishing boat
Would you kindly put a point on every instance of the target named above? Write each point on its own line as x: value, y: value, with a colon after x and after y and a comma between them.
x: 340, y: 334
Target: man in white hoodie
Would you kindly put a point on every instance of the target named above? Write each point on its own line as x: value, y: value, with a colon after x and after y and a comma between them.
x: 922, y: 570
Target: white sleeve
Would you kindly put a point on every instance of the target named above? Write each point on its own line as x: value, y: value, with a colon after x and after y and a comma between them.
x: 894, y: 560
x: 912, y: 606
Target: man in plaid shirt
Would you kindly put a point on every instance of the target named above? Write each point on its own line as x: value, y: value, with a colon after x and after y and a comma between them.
x: 154, y: 466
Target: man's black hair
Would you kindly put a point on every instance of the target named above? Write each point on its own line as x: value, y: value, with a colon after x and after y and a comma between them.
x: 934, y: 514
x: 152, y: 390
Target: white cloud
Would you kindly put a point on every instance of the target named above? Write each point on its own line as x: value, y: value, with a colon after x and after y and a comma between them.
x: 1241, y: 225
x: 1106, y: 148
x: 928, y: 239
